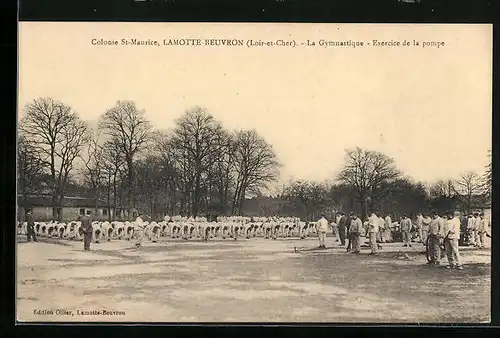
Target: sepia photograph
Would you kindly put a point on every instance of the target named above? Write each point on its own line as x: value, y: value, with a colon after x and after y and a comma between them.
x: 254, y: 173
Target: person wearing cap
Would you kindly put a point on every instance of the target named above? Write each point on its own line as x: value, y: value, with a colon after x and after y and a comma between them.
x: 406, y: 230
x: 451, y: 234
x: 354, y: 233
x: 88, y: 230
x: 434, y: 239
x: 30, y: 231
x: 322, y: 229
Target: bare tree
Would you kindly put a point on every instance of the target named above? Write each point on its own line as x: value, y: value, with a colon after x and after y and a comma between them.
x: 127, y: 127
x: 58, y: 135
x: 470, y: 191
x: 221, y: 178
x: 365, y: 171
x: 256, y: 165
x: 93, y: 172
x: 442, y: 188
x: 195, y: 139
x: 30, y: 169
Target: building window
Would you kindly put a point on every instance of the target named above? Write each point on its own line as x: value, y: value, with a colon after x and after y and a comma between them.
x: 105, y: 212
x: 82, y: 211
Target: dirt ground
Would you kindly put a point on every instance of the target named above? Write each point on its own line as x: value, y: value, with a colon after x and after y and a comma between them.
x: 256, y: 280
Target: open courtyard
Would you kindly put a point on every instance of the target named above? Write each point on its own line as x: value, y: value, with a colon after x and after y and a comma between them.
x: 256, y: 280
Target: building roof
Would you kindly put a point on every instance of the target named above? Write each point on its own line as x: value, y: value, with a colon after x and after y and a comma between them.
x: 68, y: 202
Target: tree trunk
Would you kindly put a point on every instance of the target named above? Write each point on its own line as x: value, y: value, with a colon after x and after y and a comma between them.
x: 129, y: 188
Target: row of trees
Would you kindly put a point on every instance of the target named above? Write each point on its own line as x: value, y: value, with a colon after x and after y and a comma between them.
x: 197, y: 167
x: 370, y: 180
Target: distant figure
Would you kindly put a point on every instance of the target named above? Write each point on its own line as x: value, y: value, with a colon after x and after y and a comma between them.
x: 471, y: 224
x: 30, y: 233
x: 406, y: 231
x: 373, y: 228
x: 451, y: 234
x: 87, y: 230
x: 426, y: 221
x: 435, y: 232
x: 140, y: 224
x: 322, y: 229
x: 482, y: 231
x: 388, y: 228
x: 348, y: 229
x: 475, y: 231
x: 343, y: 225
x: 354, y: 233
x: 381, y: 230
x: 420, y: 223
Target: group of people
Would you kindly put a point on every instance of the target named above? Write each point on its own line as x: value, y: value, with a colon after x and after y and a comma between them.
x: 88, y: 230
x: 434, y: 231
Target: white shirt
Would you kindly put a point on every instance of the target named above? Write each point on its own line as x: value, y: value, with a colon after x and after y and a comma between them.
x: 452, y: 227
x: 139, y: 221
x: 322, y: 225
x: 381, y: 223
x: 373, y: 223
x: 419, y: 221
x: 471, y: 222
x: 477, y: 223
x: 388, y: 222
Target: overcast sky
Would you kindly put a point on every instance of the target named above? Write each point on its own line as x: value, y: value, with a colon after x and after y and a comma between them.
x: 428, y: 108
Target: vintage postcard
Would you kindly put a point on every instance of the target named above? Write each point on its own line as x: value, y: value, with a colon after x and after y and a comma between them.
x: 203, y: 172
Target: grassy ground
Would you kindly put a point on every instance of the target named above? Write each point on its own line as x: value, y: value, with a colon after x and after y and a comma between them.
x: 252, y: 280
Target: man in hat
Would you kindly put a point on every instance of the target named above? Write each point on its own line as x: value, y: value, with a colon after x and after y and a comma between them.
x: 30, y: 233
x: 87, y: 230
x: 354, y: 233
x: 322, y: 229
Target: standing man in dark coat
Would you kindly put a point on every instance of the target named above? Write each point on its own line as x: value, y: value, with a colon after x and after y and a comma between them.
x: 30, y: 231
x: 87, y: 231
x: 343, y: 225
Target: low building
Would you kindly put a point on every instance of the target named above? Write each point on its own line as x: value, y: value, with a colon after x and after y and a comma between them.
x: 72, y: 208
